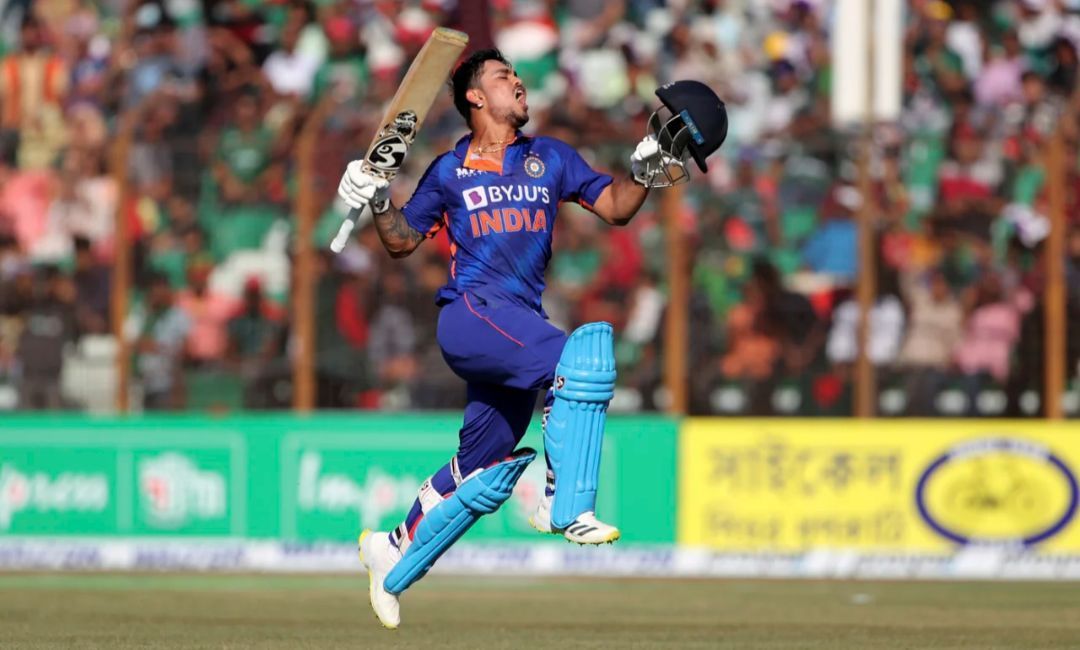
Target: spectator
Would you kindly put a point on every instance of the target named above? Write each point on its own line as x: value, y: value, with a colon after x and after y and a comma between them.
x: 33, y: 89
x: 750, y: 213
x: 831, y: 248
x: 150, y: 160
x: 393, y: 336
x: 999, y: 80
x: 345, y: 73
x: 754, y: 337
x: 208, y: 313
x: 886, y: 331
x: 343, y: 331
x: 93, y: 286
x: 162, y: 330
x: 788, y: 99
x: 991, y: 329
x: 291, y: 71
x: 244, y: 160
x: 82, y: 204
x: 16, y: 298
x: 255, y: 342
x: 49, y: 327
x: 637, y: 345
x: 934, y: 331
x: 801, y: 332
x: 938, y: 68
x: 968, y: 180
x: 1062, y: 78
x: 311, y: 41
x: 157, y: 66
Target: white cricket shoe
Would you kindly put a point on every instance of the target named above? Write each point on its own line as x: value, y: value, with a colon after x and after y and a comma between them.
x: 380, y: 556
x: 541, y: 519
x: 586, y: 529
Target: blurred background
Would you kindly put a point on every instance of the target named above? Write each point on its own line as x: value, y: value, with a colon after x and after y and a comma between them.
x: 168, y: 172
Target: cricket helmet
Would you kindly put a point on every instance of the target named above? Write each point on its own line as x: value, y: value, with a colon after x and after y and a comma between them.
x: 691, y: 123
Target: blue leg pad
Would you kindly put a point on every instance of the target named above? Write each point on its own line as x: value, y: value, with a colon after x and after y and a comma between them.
x: 479, y: 494
x: 584, y: 385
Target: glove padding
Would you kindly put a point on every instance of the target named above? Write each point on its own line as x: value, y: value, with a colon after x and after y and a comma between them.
x: 358, y: 189
x: 648, y: 158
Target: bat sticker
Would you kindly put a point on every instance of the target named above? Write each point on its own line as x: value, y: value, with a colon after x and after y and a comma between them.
x: 405, y: 123
x: 388, y: 154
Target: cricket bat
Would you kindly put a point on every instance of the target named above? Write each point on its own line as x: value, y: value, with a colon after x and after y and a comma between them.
x: 401, y: 122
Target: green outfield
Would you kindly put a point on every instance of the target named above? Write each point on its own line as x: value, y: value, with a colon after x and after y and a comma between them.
x: 253, y: 611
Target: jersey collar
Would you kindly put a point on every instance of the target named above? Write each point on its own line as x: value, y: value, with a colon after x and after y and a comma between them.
x: 462, y: 148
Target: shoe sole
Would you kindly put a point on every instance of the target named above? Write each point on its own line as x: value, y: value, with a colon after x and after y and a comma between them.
x: 371, y: 580
x: 610, y: 539
x: 549, y: 531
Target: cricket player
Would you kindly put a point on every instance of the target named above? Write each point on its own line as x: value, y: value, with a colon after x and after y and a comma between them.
x: 497, y: 193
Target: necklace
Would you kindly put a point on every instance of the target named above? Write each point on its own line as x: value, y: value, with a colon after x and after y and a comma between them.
x: 494, y: 147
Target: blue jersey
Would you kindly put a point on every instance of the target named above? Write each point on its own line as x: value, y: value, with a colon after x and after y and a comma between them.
x: 500, y: 221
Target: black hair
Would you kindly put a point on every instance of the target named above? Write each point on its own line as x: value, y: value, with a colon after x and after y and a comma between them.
x: 766, y: 274
x: 467, y: 75
x: 157, y: 279
x: 307, y: 7
x: 1030, y: 74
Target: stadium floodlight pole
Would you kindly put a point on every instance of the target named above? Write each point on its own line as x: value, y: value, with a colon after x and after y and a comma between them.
x: 1054, y: 314
x: 867, y: 56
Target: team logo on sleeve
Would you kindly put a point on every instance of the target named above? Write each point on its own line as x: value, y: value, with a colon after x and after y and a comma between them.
x: 534, y: 167
x: 475, y: 197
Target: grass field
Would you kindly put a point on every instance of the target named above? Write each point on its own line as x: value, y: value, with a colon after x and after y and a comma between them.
x: 253, y: 611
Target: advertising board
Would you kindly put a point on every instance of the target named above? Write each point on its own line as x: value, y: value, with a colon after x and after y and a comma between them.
x: 913, y: 486
x: 296, y: 479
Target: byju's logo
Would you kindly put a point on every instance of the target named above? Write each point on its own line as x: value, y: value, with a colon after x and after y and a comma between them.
x: 173, y: 491
x: 475, y: 197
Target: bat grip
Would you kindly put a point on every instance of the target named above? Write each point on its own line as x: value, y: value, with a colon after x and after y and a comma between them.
x: 345, y: 231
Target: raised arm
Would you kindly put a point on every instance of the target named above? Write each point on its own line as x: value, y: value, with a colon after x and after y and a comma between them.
x: 620, y: 201
x: 398, y: 237
x: 400, y: 234
x: 361, y: 190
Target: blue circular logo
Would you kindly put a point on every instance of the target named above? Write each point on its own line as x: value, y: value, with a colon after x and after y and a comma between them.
x: 534, y: 167
x: 997, y: 491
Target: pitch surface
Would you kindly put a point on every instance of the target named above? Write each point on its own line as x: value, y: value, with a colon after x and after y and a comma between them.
x: 253, y: 611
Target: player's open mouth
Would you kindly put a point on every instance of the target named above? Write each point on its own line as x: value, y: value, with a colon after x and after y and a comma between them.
x: 519, y: 94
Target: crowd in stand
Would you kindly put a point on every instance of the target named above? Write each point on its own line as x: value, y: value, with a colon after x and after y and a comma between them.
x: 218, y: 93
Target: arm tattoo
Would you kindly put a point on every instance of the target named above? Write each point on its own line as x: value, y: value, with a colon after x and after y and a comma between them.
x: 396, y: 234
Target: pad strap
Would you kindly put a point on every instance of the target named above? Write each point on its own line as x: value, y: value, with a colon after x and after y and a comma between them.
x: 429, y: 497
x: 479, y: 494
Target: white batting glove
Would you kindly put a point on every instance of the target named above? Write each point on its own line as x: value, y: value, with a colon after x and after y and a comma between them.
x: 359, y: 189
x: 647, y: 155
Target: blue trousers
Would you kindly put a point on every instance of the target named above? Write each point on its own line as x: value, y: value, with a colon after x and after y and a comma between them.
x: 506, y: 354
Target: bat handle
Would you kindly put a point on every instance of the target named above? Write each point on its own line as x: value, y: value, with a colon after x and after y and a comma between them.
x: 345, y: 231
